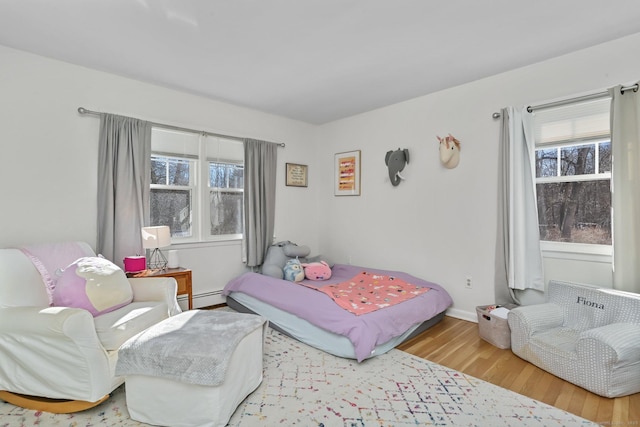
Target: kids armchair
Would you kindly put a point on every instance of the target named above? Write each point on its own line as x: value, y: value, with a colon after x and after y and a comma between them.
x: 62, y: 358
x: 586, y: 335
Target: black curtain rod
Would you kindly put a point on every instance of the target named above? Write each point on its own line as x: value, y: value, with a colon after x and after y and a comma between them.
x: 83, y: 110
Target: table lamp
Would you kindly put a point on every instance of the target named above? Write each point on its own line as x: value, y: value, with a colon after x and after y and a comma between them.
x: 156, y: 238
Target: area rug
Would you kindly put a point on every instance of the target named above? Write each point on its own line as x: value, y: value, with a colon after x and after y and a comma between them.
x: 303, y: 386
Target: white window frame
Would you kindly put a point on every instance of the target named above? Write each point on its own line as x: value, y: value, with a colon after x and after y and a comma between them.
x: 192, y: 188
x: 206, y: 189
x: 567, y: 250
x: 199, y: 185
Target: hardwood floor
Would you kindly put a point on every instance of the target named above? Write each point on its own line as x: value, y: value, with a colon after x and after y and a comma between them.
x: 455, y: 343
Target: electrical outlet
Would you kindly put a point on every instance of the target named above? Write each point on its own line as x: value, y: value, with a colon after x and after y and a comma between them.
x: 468, y: 283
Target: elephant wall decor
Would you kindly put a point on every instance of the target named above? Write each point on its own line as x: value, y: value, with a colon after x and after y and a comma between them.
x: 449, y: 151
x: 396, y: 161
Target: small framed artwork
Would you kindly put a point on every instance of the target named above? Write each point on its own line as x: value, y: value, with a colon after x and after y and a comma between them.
x: 347, y: 174
x: 297, y: 175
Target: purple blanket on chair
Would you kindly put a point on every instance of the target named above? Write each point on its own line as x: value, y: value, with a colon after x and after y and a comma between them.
x: 365, y: 331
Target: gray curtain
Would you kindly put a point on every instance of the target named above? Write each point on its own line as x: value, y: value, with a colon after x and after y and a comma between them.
x: 124, y: 175
x: 625, y: 194
x: 260, y: 163
x: 518, y: 255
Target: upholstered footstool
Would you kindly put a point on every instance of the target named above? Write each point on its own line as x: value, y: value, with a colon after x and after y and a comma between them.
x: 193, y: 369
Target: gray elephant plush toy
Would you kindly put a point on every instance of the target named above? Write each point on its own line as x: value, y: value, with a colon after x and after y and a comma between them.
x: 280, y: 253
x: 396, y: 160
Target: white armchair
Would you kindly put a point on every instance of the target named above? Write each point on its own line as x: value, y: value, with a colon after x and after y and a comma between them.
x: 586, y: 335
x: 63, y: 359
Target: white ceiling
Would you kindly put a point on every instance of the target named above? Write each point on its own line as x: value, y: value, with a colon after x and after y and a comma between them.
x: 311, y: 60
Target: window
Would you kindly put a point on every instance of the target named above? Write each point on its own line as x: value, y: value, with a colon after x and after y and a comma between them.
x: 573, y: 172
x: 226, y: 183
x: 172, y: 192
x: 197, y: 185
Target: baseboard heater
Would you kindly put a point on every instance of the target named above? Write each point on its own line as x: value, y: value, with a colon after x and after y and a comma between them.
x: 205, y: 299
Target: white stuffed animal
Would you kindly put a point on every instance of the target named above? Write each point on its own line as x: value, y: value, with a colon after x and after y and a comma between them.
x: 449, y: 151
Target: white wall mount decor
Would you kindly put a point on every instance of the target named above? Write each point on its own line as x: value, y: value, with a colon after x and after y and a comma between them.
x: 449, y: 151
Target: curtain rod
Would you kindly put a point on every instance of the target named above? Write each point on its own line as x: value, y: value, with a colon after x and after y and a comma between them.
x: 596, y: 95
x: 83, y: 110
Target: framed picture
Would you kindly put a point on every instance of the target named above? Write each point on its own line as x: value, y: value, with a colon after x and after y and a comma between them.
x: 347, y: 174
x: 297, y: 175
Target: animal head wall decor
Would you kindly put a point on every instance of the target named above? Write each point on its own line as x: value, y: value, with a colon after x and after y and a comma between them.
x: 449, y: 151
x: 395, y: 161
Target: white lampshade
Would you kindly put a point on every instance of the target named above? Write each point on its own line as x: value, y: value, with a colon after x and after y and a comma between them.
x: 156, y: 237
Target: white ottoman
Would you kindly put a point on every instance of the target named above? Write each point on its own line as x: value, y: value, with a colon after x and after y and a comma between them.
x: 172, y: 369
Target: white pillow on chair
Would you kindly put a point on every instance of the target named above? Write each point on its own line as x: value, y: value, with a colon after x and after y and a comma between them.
x: 94, y: 284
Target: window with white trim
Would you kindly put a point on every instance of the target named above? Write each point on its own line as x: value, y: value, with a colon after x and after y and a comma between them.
x: 573, y: 172
x: 197, y: 185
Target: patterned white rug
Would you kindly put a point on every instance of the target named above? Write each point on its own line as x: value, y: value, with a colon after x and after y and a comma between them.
x: 306, y: 387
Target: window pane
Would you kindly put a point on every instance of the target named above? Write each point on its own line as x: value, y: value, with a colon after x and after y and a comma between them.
x: 575, y: 212
x: 546, y: 162
x: 217, y: 175
x: 158, y: 170
x: 236, y: 176
x: 226, y: 175
x: 605, y: 157
x: 172, y: 208
x: 170, y: 171
x: 578, y: 160
x: 226, y: 212
x: 179, y: 172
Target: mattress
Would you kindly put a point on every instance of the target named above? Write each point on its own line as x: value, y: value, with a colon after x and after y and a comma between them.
x: 315, y: 319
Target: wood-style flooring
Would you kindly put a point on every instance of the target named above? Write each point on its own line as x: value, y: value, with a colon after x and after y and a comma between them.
x: 455, y: 343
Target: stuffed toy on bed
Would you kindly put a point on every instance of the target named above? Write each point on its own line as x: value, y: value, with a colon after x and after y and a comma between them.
x: 293, y: 271
x: 282, y: 252
x: 317, y: 270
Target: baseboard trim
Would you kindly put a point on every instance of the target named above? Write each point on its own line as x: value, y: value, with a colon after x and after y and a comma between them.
x: 462, y: 315
x: 208, y: 299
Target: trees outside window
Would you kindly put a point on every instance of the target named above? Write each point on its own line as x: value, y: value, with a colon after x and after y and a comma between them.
x: 573, y: 191
x: 226, y: 184
x: 573, y: 173
x: 197, y: 185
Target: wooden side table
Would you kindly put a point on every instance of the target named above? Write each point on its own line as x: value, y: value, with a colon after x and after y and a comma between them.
x: 182, y: 276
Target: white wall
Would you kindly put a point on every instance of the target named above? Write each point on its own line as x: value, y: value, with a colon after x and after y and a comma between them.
x: 440, y: 224
x: 49, y: 155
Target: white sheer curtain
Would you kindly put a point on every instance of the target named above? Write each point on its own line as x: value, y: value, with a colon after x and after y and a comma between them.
x: 519, y: 258
x: 625, y: 143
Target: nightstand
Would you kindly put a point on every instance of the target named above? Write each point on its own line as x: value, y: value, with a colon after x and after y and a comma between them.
x: 182, y: 276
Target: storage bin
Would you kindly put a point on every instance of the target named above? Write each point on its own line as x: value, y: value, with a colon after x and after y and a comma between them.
x: 494, y: 329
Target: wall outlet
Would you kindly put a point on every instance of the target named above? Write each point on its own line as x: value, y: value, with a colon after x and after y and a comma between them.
x: 467, y: 284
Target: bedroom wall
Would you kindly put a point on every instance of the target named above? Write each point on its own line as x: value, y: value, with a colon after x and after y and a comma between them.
x: 440, y: 224
x: 49, y: 156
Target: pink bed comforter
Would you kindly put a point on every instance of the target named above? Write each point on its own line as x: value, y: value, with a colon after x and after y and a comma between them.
x: 365, y: 331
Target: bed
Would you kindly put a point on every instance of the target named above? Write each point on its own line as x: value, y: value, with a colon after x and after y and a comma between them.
x: 301, y: 311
